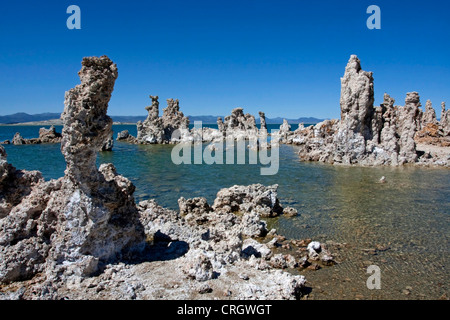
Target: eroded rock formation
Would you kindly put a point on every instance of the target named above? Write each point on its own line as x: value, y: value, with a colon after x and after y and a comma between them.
x: 88, y: 217
x: 240, y: 125
x: 45, y: 136
x: 215, y: 235
x: 263, y: 125
x: 445, y: 120
x: 156, y: 130
x: 108, y: 144
x: 429, y: 116
x: 14, y: 184
x: 126, y: 137
x: 49, y: 135
x: 18, y: 140
x: 365, y: 135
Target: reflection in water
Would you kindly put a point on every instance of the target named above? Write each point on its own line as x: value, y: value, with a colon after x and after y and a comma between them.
x: 402, y: 226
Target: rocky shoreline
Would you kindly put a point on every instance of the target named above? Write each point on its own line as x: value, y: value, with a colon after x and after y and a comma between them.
x: 84, y: 237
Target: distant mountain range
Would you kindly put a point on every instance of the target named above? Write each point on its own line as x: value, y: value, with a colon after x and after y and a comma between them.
x: 25, y: 117
x: 22, y: 117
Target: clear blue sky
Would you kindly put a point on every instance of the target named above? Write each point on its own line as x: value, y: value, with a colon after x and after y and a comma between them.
x: 282, y: 57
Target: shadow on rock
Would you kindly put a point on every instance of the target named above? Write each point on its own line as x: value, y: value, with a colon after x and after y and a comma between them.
x: 160, y: 248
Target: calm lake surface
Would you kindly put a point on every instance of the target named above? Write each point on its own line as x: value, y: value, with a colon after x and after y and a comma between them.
x: 408, y: 216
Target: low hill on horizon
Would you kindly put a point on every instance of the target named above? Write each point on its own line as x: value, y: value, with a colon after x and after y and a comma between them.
x: 22, y: 117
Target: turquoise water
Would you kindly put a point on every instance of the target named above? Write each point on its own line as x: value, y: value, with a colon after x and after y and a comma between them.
x: 408, y: 216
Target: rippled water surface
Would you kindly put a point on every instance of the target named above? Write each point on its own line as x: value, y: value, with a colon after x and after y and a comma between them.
x: 406, y: 219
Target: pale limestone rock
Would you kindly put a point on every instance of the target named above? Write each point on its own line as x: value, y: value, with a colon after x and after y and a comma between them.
x: 239, y: 125
x: 256, y: 197
x: 151, y: 131
x: 262, y: 117
x: 290, y: 212
x: 172, y: 127
x: 108, y: 144
x: 220, y: 124
x: 429, y: 116
x: 18, y: 140
x: 49, y: 135
x: 284, y: 132
x: 366, y: 135
x: 125, y: 136
x: 407, y: 127
x: 70, y: 225
x: 66, y: 229
x: 357, y: 97
x: 445, y: 120
x: 45, y: 136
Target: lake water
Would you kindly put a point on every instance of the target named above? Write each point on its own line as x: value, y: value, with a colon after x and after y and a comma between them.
x: 408, y: 216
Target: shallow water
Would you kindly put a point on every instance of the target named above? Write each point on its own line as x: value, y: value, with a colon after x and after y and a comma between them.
x: 407, y: 217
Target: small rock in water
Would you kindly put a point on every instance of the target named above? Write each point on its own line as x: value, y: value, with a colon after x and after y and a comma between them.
x: 304, y: 263
x: 327, y: 260
x: 204, y: 288
x: 227, y: 293
x: 290, y: 212
x: 406, y: 292
x: 273, y: 243
x: 315, y: 245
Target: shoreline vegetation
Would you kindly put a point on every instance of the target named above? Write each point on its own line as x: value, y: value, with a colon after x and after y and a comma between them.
x: 83, y: 236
